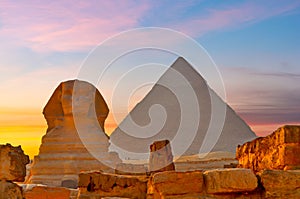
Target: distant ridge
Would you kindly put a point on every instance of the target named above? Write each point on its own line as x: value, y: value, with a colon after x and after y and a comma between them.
x: 235, y: 130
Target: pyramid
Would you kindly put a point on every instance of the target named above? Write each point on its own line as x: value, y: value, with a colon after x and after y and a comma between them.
x: 182, y: 108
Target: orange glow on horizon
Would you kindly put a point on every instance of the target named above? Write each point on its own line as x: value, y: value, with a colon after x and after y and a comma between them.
x: 26, y: 128
x: 29, y: 137
x: 23, y: 127
x: 262, y: 130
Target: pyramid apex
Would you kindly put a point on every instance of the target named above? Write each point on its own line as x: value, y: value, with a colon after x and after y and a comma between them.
x: 180, y: 58
x: 182, y: 66
x: 179, y: 61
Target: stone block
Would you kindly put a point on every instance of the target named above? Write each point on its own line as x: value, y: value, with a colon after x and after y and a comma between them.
x: 229, y: 181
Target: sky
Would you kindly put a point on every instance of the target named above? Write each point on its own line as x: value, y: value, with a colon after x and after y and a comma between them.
x: 255, y: 45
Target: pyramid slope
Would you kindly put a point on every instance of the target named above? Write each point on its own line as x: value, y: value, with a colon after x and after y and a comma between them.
x: 137, y: 140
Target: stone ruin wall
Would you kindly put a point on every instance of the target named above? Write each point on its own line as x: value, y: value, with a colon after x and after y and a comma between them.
x: 280, y: 150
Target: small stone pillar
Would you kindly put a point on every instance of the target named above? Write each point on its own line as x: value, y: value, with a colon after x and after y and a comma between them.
x: 161, y: 157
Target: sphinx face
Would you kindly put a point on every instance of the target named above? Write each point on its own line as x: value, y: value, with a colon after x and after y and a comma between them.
x: 75, y: 99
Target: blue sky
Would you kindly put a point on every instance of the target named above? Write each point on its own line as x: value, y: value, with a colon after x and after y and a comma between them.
x: 255, y: 44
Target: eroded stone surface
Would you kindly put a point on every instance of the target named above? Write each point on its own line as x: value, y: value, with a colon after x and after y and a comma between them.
x: 280, y: 150
x: 171, y: 184
x: 161, y: 157
x: 44, y: 192
x: 281, y: 184
x: 9, y: 190
x: 101, y: 184
x: 75, y: 116
x: 215, y: 184
x: 229, y: 180
x: 12, y: 163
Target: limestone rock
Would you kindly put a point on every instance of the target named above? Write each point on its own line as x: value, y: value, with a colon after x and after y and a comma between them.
x: 85, y: 100
x: 276, y: 151
x: 44, y: 192
x: 281, y: 184
x: 99, y: 184
x: 161, y: 157
x: 195, y: 185
x: 9, y: 190
x: 75, y: 140
x: 12, y: 163
x: 229, y: 180
x: 171, y: 183
x: 142, y: 126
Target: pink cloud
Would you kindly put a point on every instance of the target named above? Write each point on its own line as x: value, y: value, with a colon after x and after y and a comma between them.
x: 66, y: 25
x: 266, y: 100
x: 232, y: 17
x: 33, y: 89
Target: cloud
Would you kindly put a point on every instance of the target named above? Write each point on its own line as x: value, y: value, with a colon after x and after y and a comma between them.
x: 280, y: 74
x: 34, y: 88
x: 262, y: 72
x: 234, y: 16
x: 263, y: 97
x: 66, y: 25
x: 75, y: 26
x: 271, y: 117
